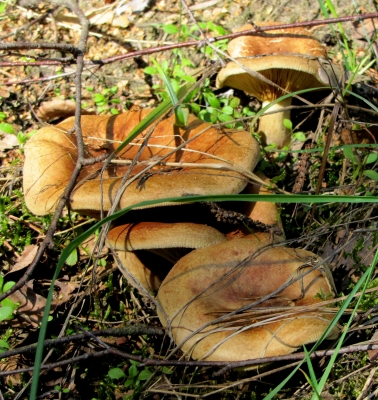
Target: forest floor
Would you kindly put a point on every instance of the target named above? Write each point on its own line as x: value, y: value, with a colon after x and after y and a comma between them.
x: 37, y: 88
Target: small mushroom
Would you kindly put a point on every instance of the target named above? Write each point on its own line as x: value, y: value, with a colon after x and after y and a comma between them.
x: 290, y: 58
x: 51, y: 155
x: 166, y: 240
x: 245, y: 299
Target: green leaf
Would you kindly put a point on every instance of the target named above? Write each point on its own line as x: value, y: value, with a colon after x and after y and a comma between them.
x: 6, y: 128
x: 4, y: 345
x: 371, y: 174
x: 144, y: 375
x: 185, y: 62
x: 1, y: 283
x: 195, y: 108
x: 72, y: 258
x: 288, y: 124
x: 348, y: 153
x: 98, y: 98
x: 228, y: 110
x: 212, y: 100
x: 6, y: 313
x: 170, y: 29
x: 300, y: 136
x: 133, y: 371
x: 150, y: 70
x: 8, y: 285
x: 2, y: 115
x: 116, y: 373
x: 371, y: 158
x: 226, y: 118
x: 9, y: 303
x: 129, y: 382
x: 188, y: 78
x: 2, y: 6
x: 181, y: 116
x: 234, y: 102
x: 167, y: 370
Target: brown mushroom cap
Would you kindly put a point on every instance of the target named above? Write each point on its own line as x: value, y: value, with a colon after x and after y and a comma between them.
x: 160, y: 238
x: 51, y: 154
x: 211, y: 282
x: 297, y: 40
x: 290, y: 58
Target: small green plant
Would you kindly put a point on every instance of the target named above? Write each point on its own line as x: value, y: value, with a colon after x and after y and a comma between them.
x: 106, y: 99
x: 295, y: 135
x: 353, y: 63
x: 4, y: 345
x: 62, y: 390
x: 8, y: 129
x: 133, y: 378
x: 359, y: 164
x: 8, y: 306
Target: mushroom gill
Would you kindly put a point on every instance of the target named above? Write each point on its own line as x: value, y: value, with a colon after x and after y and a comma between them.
x: 290, y: 58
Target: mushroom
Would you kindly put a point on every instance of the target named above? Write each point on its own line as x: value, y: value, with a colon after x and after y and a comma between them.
x: 51, y: 154
x: 245, y: 299
x: 290, y: 58
x: 263, y: 212
x: 166, y: 240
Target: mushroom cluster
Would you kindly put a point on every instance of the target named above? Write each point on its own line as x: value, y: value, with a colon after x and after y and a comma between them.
x: 269, y: 65
x: 223, y: 293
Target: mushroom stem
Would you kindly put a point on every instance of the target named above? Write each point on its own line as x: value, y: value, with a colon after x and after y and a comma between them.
x: 271, y: 126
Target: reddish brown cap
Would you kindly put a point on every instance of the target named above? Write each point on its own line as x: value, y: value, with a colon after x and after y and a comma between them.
x: 227, y: 278
x: 290, y: 58
x: 50, y: 157
x: 297, y: 40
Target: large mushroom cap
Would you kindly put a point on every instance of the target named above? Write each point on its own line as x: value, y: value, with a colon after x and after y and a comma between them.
x: 290, y: 58
x: 51, y: 154
x: 163, y: 239
x: 296, y: 40
x: 227, y: 278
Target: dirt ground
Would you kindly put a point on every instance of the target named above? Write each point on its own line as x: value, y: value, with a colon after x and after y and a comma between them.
x: 119, y: 28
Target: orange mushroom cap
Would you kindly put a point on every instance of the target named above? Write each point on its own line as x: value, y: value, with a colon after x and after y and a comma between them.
x: 51, y: 155
x: 290, y: 58
x: 225, y: 280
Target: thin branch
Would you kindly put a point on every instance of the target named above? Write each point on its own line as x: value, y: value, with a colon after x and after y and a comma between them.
x: 251, y: 32
x: 148, y: 362
x: 132, y: 330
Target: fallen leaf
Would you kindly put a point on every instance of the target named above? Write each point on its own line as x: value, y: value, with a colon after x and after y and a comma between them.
x: 105, y: 15
x: 66, y: 288
x: 32, y: 305
x: 27, y: 256
x: 8, y: 141
x: 57, y: 108
x: 365, y: 29
x: 10, y: 364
